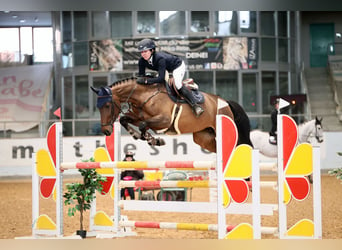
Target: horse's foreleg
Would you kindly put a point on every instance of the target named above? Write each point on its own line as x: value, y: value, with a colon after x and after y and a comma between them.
x: 158, y: 121
x: 124, y: 121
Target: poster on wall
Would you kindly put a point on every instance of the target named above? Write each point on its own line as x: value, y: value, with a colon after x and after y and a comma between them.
x: 105, y: 55
x: 239, y: 53
x: 216, y: 53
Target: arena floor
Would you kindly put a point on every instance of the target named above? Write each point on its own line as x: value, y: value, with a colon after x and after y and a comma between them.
x: 15, y: 219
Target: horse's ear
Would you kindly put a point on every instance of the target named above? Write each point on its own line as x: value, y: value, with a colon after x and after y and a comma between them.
x: 95, y: 90
x: 319, y: 121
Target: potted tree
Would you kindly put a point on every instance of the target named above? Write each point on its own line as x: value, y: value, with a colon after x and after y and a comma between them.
x: 79, y: 196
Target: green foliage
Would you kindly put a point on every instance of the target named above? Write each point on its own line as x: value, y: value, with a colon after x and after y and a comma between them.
x: 79, y: 196
x: 337, y: 171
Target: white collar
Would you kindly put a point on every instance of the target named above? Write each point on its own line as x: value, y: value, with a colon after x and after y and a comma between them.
x: 150, y: 60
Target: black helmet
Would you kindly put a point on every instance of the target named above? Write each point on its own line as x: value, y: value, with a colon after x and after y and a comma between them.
x: 146, y: 44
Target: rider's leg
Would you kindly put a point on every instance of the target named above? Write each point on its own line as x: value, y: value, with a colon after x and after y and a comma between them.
x: 178, y: 75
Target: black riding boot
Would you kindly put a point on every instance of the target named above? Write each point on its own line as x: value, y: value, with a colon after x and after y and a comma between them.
x: 185, y: 92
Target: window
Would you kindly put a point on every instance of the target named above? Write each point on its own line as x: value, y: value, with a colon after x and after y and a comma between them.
x: 67, y: 55
x: 99, y: 24
x: 42, y: 44
x: 68, y: 98
x: 225, y: 23
x: 121, y: 24
x: 283, y: 50
x: 248, y: 21
x: 268, y: 79
x: 249, y: 81
x: 268, y: 49
x: 32, y: 41
x: 146, y: 22
x: 283, y: 83
x: 26, y: 42
x: 282, y: 23
x: 66, y: 24
x: 80, y: 25
x: 199, y: 21
x: 203, y: 79
x: 81, y: 105
x: 80, y: 53
x: 267, y: 23
x: 9, y: 47
x: 227, y: 85
x: 172, y: 22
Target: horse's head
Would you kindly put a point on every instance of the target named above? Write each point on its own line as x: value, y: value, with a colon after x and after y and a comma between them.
x: 318, y: 129
x: 109, y: 108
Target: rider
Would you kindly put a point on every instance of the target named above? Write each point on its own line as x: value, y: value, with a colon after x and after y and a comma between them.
x: 130, y: 175
x: 274, y: 113
x: 162, y: 61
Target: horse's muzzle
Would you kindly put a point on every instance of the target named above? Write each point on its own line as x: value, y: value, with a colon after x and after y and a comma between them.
x: 107, y: 133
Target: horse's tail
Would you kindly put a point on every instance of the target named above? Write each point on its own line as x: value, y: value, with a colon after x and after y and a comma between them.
x: 242, y: 123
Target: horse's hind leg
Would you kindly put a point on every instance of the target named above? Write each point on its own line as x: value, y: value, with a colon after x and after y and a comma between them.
x: 206, y: 139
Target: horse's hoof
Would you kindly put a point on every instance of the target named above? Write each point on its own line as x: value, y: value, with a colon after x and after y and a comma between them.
x: 160, y: 142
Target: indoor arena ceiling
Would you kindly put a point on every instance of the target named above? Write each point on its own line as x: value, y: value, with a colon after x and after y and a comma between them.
x: 27, y: 18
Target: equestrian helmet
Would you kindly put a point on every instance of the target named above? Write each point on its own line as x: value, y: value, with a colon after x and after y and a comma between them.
x: 146, y: 44
x: 129, y: 154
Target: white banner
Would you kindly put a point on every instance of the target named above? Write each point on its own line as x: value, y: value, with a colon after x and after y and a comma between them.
x: 18, y: 152
x: 23, y: 95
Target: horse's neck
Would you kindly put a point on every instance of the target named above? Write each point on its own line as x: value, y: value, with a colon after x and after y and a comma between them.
x: 304, y: 131
x: 123, y: 90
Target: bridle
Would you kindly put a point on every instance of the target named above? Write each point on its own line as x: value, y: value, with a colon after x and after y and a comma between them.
x: 112, y: 112
x: 317, y: 125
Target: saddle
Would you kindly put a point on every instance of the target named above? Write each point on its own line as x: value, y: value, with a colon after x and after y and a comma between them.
x: 190, y: 84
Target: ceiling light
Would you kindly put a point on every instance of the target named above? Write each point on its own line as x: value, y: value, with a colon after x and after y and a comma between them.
x: 22, y: 20
x: 14, y: 16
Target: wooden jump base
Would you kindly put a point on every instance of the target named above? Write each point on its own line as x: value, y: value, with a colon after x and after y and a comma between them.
x: 255, y: 208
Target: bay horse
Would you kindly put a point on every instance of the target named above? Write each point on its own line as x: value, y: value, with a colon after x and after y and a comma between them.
x: 150, y: 108
x: 306, y: 131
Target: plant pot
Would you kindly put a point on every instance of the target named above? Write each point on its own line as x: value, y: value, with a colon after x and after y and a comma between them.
x: 82, y: 233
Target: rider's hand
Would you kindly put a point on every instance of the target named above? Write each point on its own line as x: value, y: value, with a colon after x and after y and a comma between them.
x: 141, y: 80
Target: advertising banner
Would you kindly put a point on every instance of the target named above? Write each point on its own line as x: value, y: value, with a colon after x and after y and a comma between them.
x: 216, y: 53
x: 23, y: 95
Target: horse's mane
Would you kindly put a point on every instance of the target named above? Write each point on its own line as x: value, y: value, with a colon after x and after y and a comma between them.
x: 121, y: 81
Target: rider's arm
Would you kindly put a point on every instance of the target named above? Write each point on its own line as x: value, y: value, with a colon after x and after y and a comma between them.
x: 142, y: 67
x: 160, y: 65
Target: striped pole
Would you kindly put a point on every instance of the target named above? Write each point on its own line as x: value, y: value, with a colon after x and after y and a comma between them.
x: 173, y: 225
x: 146, y: 165
x: 187, y: 226
x: 168, y: 184
x: 187, y: 184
